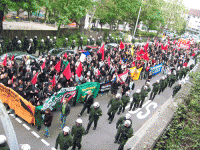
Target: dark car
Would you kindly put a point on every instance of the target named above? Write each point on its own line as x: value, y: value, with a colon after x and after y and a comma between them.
x: 59, y: 51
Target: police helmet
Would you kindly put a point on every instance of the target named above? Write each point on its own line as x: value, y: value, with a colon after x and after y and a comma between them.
x: 96, y: 104
x: 36, y: 37
x: 66, y: 129
x: 48, y: 37
x: 54, y: 37
x: 157, y: 81
x: 127, y: 123
x: 128, y: 116
x: 31, y: 40
x: 145, y: 87
x: 118, y: 95
x: 2, y: 139
x: 66, y: 39
x: 79, y: 121
x: 19, y: 42
x: 128, y: 93
x: 42, y: 40
x: 25, y: 147
x: 138, y: 91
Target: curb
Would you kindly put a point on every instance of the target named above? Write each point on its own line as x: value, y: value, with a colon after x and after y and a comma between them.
x: 147, y: 136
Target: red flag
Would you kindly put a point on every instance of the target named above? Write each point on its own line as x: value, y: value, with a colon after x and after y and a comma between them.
x: 185, y: 64
x: 98, y: 72
x: 146, y: 46
x: 193, y: 54
x: 53, y: 81
x: 67, y: 72
x: 109, y: 60
x: 102, y: 51
x: 5, y: 60
x: 12, y: 57
x: 34, y: 80
x: 174, y: 42
x: 141, y: 52
x: 138, y: 58
x: 146, y: 56
x: 57, y: 66
x: 121, y: 46
x: 79, y: 69
x: 12, y: 79
x: 133, y: 63
x: 43, y: 65
x: 65, y: 55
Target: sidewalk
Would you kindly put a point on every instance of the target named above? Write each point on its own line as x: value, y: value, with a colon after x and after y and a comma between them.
x: 147, y: 136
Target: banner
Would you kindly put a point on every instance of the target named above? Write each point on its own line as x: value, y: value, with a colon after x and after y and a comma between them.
x: 156, y: 69
x: 58, y: 97
x: 84, y: 88
x: 135, y: 73
x: 105, y: 87
x: 21, y: 106
x: 123, y: 76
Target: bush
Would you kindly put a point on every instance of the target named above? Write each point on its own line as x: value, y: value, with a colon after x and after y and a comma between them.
x: 52, y: 21
x: 42, y: 20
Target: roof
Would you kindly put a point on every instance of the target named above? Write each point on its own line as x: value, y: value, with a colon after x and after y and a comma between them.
x: 194, y: 12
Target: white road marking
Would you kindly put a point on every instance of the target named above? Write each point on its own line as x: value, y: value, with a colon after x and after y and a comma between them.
x: 45, y: 142
x: 134, y: 112
x: 12, y: 115
x: 140, y: 115
x: 18, y: 120
x: 53, y: 148
x: 26, y: 127
x: 37, y: 136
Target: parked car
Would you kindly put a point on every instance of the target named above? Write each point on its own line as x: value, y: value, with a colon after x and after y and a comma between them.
x: 111, y: 45
x: 59, y: 51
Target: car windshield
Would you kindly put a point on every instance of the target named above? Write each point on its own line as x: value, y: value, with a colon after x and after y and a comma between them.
x: 56, y: 51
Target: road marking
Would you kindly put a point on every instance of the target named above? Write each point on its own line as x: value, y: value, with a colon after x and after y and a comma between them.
x: 12, y: 115
x: 45, y: 142
x: 26, y: 127
x: 53, y: 148
x: 134, y: 112
x: 37, y: 136
x: 18, y: 120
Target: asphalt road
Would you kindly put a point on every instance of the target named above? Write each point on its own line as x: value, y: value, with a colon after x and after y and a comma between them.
x: 100, y: 139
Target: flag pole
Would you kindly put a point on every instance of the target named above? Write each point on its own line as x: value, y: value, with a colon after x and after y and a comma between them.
x: 137, y: 21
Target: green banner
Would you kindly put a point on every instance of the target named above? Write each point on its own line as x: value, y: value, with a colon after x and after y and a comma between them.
x: 84, y: 88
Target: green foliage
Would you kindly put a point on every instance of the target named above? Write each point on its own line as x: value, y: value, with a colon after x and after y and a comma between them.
x: 42, y: 20
x: 183, y: 131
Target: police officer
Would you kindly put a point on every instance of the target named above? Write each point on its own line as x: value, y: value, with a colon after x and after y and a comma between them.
x: 92, y: 42
x: 95, y: 113
x: 42, y: 47
x: 73, y: 45
x: 162, y: 84
x: 64, y: 139
x: 35, y: 41
x: 156, y: 87
x: 14, y: 42
x: 173, y: 78
x: 115, y: 103
x: 54, y: 42
x: 50, y: 45
x: 136, y: 100
x: 107, y: 41
x: 122, y: 119
x: 144, y: 94
x: 77, y: 132
x: 123, y: 134
x: 98, y: 42
x: 90, y: 39
x: 25, y: 44
x: 112, y: 40
x: 169, y: 79
x: 25, y: 147
x: 182, y: 73
x: 176, y: 88
x: 47, y: 41
x: 2, y: 44
x: 3, y: 143
x: 89, y: 100
x: 125, y: 101
x: 9, y: 46
x: 109, y: 37
x: 65, y: 43
x: 30, y: 49
x: 88, y: 42
x: 19, y: 45
x: 80, y: 43
x: 116, y: 40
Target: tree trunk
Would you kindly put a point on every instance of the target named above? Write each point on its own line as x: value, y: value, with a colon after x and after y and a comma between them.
x: 18, y: 13
x: 82, y: 25
x: 58, y: 31
x: 45, y: 17
x: 1, y: 21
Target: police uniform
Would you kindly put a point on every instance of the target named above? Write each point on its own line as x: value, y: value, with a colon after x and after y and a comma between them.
x: 156, y: 87
x: 144, y: 94
x: 125, y: 100
x: 136, y: 100
x: 176, y: 89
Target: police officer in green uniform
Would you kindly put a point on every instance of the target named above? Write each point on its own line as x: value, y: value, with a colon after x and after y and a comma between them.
x: 125, y: 100
x: 148, y: 86
x: 65, y: 43
x: 112, y: 40
x: 144, y: 94
x: 50, y: 45
x: 169, y: 79
x: 80, y: 44
x: 162, y: 85
x: 122, y: 119
x: 115, y: 103
x: 136, y: 100
x: 156, y: 87
x: 19, y: 45
x: 173, y: 78
x: 77, y: 132
x: 54, y: 42
x: 98, y: 42
x: 95, y: 113
x: 92, y: 42
x: 176, y: 89
x: 42, y: 47
x: 64, y: 139
x: 124, y: 132
x: 73, y: 45
x: 182, y: 73
x: 88, y: 42
x: 178, y: 73
x: 3, y: 143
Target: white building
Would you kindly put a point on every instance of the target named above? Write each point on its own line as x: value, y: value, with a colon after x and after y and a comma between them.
x: 193, y: 20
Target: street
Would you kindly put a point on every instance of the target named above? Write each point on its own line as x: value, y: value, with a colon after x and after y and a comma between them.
x: 103, y: 136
